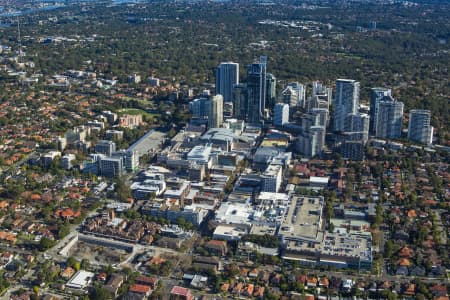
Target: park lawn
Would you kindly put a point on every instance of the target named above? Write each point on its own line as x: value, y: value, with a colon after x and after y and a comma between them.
x: 136, y: 111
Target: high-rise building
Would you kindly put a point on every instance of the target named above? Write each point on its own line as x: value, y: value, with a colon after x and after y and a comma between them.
x: 301, y: 93
x: 357, y: 125
x: 346, y: 101
x: 377, y: 94
x: 321, y: 97
x: 240, y: 101
x: 271, y: 91
x: 281, y: 114
x: 227, y: 75
x: 419, y: 127
x: 289, y: 96
x: 256, y: 90
x: 215, y: 118
x: 389, y: 119
x: 322, y: 114
x: 311, y: 142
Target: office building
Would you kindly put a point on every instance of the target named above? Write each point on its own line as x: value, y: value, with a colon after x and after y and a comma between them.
x: 130, y: 159
x: 271, y: 91
x: 112, y: 134
x: 105, y: 147
x: 281, y: 114
x: 200, y: 107
x: 111, y: 166
x: 272, y: 178
x: 256, y: 91
x: 215, y: 118
x: 227, y: 75
x: 376, y: 95
x: 240, y: 101
x: 66, y: 161
x: 389, y: 119
x: 419, y: 127
x: 346, y: 101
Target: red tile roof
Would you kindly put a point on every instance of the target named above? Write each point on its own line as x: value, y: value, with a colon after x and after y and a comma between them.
x: 140, y: 288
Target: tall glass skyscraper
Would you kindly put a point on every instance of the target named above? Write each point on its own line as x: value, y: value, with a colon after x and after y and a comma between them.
x: 227, y: 75
x: 256, y: 90
x: 271, y: 91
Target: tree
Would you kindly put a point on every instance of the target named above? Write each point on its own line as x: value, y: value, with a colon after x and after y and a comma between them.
x: 85, y: 264
x: 36, y: 290
x: 389, y: 249
x: 123, y: 190
x: 77, y: 266
x: 46, y: 243
x: 63, y: 230
x: 99, y: 293
x: 71, y: 261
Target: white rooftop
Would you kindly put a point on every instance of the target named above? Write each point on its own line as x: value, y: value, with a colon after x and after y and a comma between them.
x: 80, y: 280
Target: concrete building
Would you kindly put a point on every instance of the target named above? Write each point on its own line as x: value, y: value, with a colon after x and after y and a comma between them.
x: 419, y: 127
x: 227, y: 75
x: 215, y: 118
x: 281, y: 114
x: 389, y: 119
x: 346, y: 102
